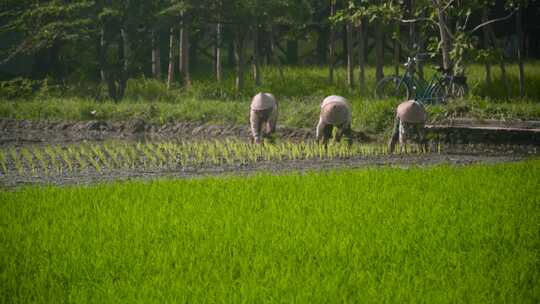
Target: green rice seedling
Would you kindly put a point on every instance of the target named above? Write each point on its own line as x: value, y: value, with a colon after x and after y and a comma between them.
x: 269, y: 153
x: 199, y: 153
x: 225, y: 151
x: 66, y: 155
x: 150, y: 153
x: 175, y: 154
x: 130, y: 156
x: 238, y: 152
x: 79, y: 156
x: 124, y: 160
x: 94, y: 161
x: 3, y: 162
x: 29, y: 159
x: 112, y: 153
x: 160, y: 156
x: 139, y: 151
x: 134, y: 155
x: 101, y: 156
x: 182, y: 154
x: 17, y: 161
x: 165, y: 149
x: 294, y: 151
x: 42, y: 160
x: 52, y: 154
x: 217, y: 158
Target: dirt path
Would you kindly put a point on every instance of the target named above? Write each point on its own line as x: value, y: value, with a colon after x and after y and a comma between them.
x: 402, y: 161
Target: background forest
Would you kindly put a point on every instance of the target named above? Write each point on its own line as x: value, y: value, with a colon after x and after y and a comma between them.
x: 224, y: 50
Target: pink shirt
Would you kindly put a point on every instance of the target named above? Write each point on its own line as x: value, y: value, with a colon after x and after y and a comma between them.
x: 411, y: 111
x: 263, y: 101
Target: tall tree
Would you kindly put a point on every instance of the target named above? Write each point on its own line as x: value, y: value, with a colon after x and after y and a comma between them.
x: 156, y: 55
x: 519, y: 30
x: 350, y: 48
x: 332, y: 44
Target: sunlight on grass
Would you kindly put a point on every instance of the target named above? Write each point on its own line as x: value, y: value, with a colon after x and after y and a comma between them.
x: 439, y: 235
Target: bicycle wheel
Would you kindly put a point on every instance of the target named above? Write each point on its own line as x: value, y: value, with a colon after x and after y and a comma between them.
x: 449, y: 90
x: 392, y: 87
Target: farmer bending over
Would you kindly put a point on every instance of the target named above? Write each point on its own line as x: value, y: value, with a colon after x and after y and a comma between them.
x: 409, y: 124
x: 335, y: 112
x: 263, y: 116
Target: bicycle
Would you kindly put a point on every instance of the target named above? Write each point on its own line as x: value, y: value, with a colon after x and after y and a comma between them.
x: 439, y: 89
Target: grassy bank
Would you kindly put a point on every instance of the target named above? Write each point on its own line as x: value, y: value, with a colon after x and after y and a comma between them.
x: 439, y: 235
x: 369, y: 116
x: 298, y: 89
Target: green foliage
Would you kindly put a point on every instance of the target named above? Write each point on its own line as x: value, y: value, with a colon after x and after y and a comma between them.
x: 299, y: 93
x: 438, y: 235
x: 17, y: 88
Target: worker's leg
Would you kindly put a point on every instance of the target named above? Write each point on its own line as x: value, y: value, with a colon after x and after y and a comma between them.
x: 344, y: 130
x: 348, y: 133
x: 395, y: 136
x: 324, y: 131
x: 421, y: 137
x: 256, y: 123
x: 406, y: 131
x: 271, y: 124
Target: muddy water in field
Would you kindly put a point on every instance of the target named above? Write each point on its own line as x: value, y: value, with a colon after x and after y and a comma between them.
x: 37, y: 136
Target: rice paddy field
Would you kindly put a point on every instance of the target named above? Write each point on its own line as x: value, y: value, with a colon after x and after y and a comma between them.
x: 160, y: 198
x: 442, y: 234
x: 77, y: 158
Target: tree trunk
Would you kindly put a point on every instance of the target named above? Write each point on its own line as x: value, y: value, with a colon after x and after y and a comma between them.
x: 446, y: 43
x: 273, y: 50
x: 361, y: 55
x: 350, y: 59
x: 331, y: 55
x: 125, y: 56
x: 379, y: 50
x: 170, y: 75
x: 104, y: 67
x: 397, y: 50
x: 256, y: 70
x: 487, y: 63
x: 239, y: 57
x: 156, y: 55
x: 217, y: 52
x: 519, y: 29
x: 412, y: 34
x: 502, y: 65
x: 184, y: 41
x: 292, y: 51
x: 180, y: 51
x: 422, y: 49
x: 103, y: 46
x: 322, y: 44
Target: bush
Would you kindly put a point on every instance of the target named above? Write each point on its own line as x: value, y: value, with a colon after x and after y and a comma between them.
x: 18, y: 88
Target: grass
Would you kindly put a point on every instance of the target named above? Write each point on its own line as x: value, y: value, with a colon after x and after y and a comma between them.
x: 438, y: 235
x: 299, y: 91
